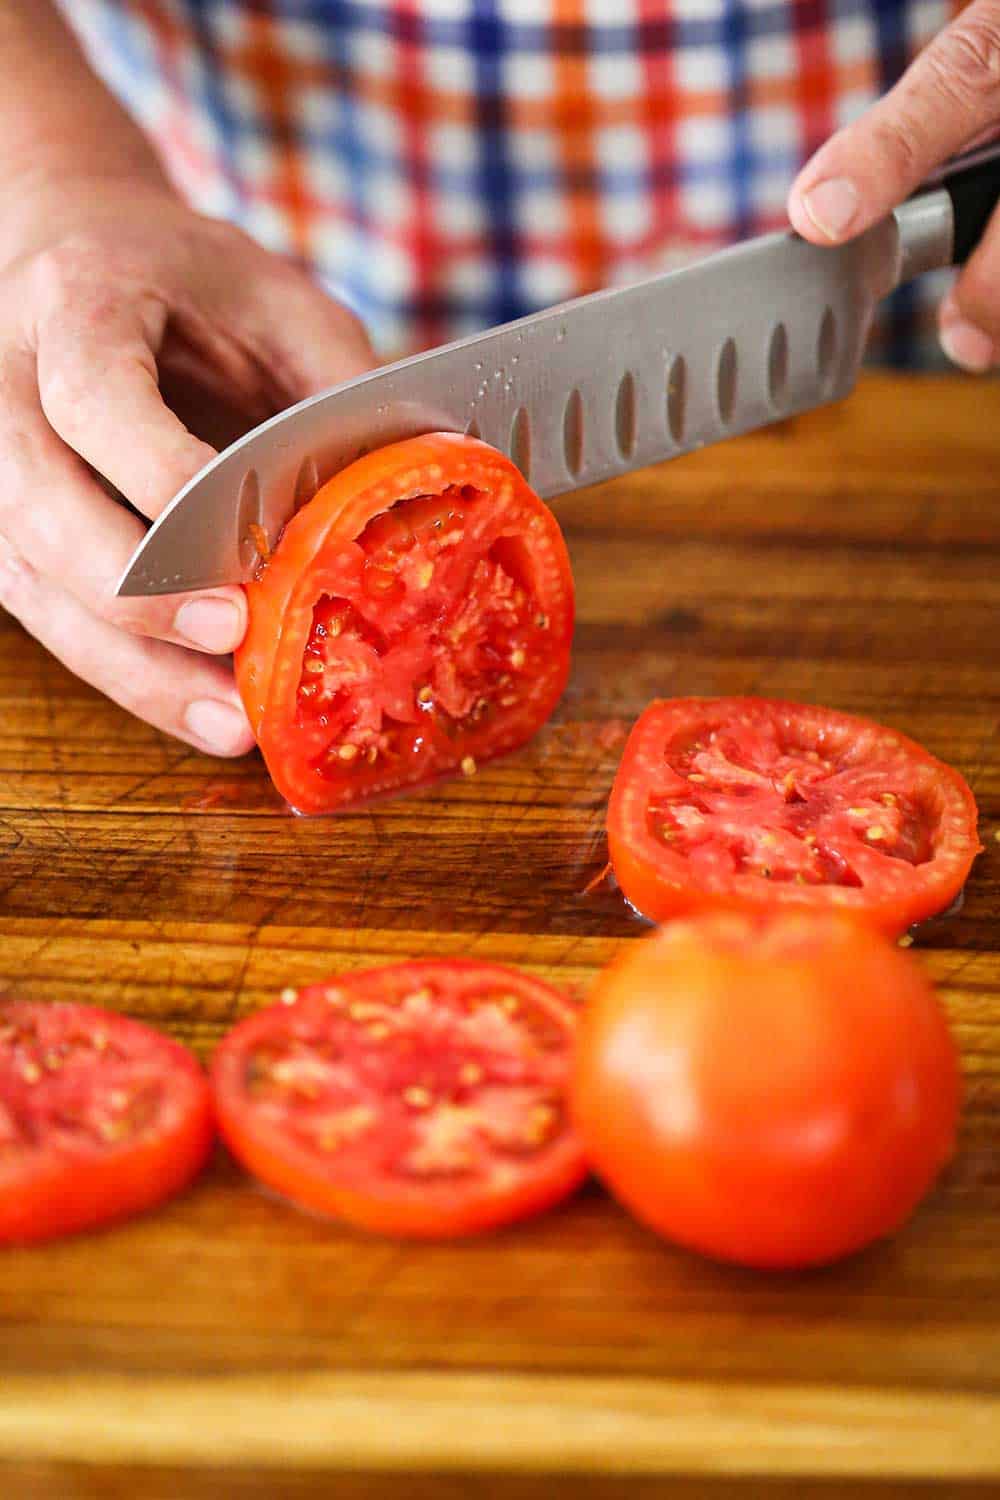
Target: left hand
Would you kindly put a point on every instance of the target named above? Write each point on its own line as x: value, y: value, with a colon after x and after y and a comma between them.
x: 947, y: 101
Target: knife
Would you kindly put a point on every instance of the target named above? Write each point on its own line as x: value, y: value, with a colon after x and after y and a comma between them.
x: 589, y: 389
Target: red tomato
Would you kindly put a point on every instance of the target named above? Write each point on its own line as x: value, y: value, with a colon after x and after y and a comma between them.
x: 722, y: 801
x: 415, y: 619
x: 100, y: 1118
x: 421, y: 1099
x: 773, y: 1089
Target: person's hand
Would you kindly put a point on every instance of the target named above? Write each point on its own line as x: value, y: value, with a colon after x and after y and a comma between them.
x: 119, y: 308
x: 948, y: 100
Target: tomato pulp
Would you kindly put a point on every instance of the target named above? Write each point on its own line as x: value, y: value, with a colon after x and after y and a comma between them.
x: 100, y: 1118
x: 422, y: 1099
x: 743, y: 800
x: 414, y: 620
x: 777, y: 1089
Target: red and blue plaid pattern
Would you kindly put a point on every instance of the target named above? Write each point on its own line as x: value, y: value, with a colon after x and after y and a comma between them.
x: 444, y: 165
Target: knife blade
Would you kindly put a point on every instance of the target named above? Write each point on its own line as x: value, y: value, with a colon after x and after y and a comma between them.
x: 583, y: 391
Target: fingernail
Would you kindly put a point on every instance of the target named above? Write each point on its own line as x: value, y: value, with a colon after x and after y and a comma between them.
x: 966, y: 345
x: 212, y: 624
x: 832, y: 205
x: 221, y: 727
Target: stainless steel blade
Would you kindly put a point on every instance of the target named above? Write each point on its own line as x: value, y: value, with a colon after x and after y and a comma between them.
x: 575, y: 394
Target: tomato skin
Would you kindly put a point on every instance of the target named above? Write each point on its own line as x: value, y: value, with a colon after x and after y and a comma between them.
x: 360, y: 1194
x: 47, y: 1192
x: 319, y: 554
x: 890, y: 893
x: 773, y: 1090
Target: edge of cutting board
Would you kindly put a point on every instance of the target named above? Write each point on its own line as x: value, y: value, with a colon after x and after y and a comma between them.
x: 418, y: 1422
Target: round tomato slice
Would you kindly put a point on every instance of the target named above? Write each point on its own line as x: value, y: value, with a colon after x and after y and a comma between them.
x: 742, y: 800
x: 414, y: 620
x: 100, y: 1118
x: 777, y: 1089
x: 422, y: 1099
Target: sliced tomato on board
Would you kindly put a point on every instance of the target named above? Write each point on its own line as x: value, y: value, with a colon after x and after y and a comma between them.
x: 774, y: 1088
x: 421, y: 1099
x: 414, y: 620
x: 723, y: 800
x: 100, y: 1118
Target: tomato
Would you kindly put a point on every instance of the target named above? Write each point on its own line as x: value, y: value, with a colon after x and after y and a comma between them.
x: 722, y: 801
x: 422, y: 1099
x: 777, y: 1089
x: 100, y: 1118
x: 414, y: 620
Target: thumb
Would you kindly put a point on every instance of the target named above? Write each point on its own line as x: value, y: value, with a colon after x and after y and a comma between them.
x: 947, y: 97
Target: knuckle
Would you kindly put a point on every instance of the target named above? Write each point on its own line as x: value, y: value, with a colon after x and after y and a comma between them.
x: 17, y: 580
x: 60, y: 268
x: 62, y: 386
x: 896, y: 141
x: 966, y: 61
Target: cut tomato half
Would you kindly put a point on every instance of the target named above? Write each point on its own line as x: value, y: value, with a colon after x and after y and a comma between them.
x: 414, y: 620
x: 422, y: 1099
x: 100, y: 1118
x: 723, y: 800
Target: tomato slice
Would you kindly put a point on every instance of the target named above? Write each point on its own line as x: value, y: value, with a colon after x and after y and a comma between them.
x: 773, y: 1088
x: 723, y: 800
x: 422, y: 1099
x: 414, y: 620
x: 100, y: 1118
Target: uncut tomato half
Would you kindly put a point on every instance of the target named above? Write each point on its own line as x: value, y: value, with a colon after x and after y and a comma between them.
x: 776, y: 1089
x: 100, y: 1118
x: 414, y: 620
x: 722, y: 801
x: 423, y: 1099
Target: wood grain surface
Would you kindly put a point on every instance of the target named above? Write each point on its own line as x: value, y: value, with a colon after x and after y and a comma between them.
x: 230, y: 1346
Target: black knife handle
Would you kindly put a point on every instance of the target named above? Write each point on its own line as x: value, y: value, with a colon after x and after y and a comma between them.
x: 974, y: 192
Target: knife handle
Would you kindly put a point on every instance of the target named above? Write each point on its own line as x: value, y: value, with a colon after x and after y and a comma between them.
x: 974, y: 192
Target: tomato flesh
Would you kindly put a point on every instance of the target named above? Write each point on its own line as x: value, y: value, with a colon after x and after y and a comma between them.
x: 421, y: 669
x: 424, y: 1098
x: 744, y: 799
x: 100, y: 1118
x: 777, y: 1089
x: 414, y: 620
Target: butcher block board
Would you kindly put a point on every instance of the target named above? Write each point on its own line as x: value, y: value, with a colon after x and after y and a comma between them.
x: 230, y: 1346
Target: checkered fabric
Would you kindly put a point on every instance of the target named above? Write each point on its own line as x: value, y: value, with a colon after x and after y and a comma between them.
x: 445, y: 165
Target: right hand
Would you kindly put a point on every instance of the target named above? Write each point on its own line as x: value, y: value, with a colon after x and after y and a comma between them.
x: 114, y: 291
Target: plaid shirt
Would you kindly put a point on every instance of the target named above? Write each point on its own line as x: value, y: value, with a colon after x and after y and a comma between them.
x: 444, y: 165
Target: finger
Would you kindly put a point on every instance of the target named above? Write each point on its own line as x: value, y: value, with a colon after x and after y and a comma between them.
x: 970, y: 313
x: 186, y: 694
x: 946, y: 98
x: 60, y: 521
x: 97, y: 378
x: 311, y: 340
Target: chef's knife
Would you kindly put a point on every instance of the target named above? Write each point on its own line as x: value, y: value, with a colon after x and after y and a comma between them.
x: 588, y: 389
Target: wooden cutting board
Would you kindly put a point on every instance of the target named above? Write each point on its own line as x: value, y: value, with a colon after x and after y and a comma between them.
x: 230, y: 1346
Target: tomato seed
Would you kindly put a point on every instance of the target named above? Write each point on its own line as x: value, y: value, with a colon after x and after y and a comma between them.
x: 288, y: 996
x: 418, y: 1098
x: 425, y: 695
x: 348, y: 752
x: 468, y: 766
x: 517, y: 658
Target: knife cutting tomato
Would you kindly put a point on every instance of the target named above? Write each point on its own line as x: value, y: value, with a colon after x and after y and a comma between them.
x: 424, y: 1099
x: 100, y: 1118
x: 414, y: 620
x: 743, y: 800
